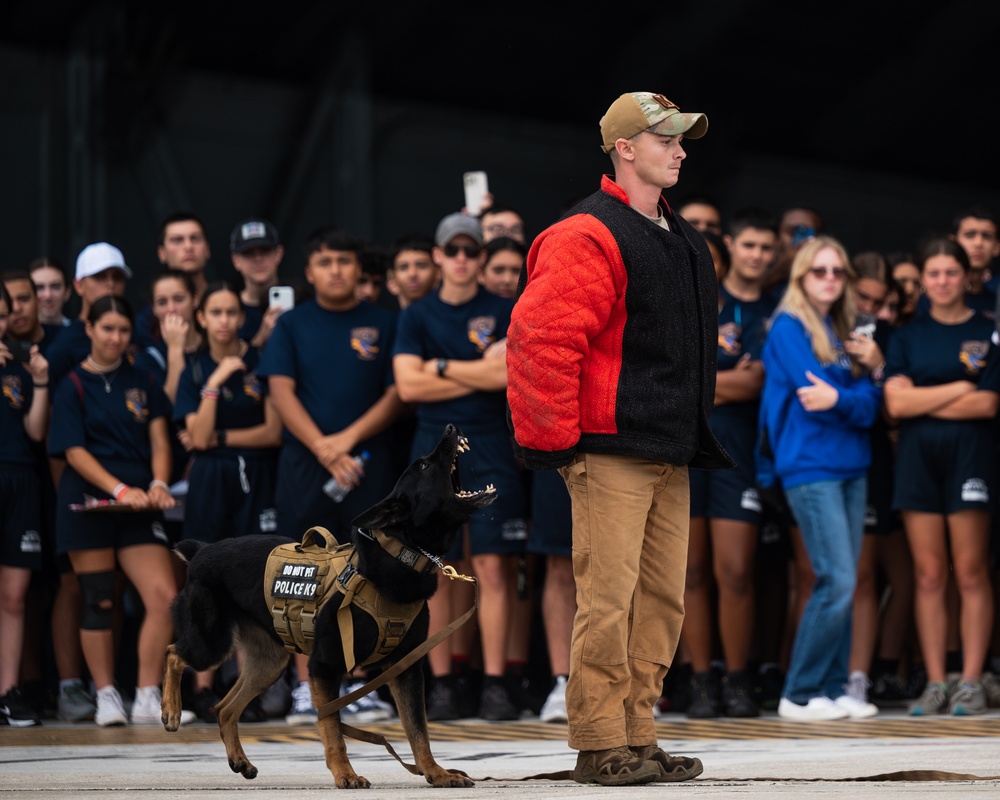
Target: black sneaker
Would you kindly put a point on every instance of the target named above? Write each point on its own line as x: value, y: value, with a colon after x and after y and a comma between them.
x: 737, y: 695
x: 203, y: 704
x: 523, y: 696
x: 468, y: 685
x: 889, y: 690
x: 677, y: 689
x: 254, y: 712
x: 441, y: 701
x: 495, y: 704
x: 16, y: 711
x: 770, y: 682
x: 705, y: 702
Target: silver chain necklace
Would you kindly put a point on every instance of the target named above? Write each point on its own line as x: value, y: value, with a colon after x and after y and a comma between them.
x: 101, y: 370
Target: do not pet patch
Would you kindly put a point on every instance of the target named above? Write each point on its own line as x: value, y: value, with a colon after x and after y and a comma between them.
x: 296, y: 582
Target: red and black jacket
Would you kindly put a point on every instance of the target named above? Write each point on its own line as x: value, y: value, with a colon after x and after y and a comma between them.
x: 612, y: 344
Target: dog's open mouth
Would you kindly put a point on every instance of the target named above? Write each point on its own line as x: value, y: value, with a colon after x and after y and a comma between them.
x: 462, y: 446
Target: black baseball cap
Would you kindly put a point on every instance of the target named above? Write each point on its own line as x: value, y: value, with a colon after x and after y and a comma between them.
x: 253, y: 232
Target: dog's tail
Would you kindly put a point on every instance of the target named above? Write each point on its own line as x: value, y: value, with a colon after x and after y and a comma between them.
x: 187, y: 548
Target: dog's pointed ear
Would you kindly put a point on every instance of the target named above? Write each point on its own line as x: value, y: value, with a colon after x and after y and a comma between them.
x: 391, y: 511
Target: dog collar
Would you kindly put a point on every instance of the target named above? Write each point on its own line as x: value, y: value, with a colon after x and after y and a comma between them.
x: 406, y: 555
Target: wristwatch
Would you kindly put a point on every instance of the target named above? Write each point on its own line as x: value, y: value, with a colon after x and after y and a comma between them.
x: 442, y: 365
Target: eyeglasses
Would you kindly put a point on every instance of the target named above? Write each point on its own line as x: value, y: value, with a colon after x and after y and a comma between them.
x: 512, y: 231
x: 822, y: 272
x: 470, y: 250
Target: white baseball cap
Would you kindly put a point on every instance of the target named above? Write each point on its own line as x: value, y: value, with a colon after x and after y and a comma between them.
x: 98, y: 257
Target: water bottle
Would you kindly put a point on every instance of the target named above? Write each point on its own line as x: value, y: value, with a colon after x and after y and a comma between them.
x: 334, y: 490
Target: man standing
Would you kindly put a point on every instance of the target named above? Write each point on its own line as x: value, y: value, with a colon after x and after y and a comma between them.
x: 256, y: 251
x: 611, y: 378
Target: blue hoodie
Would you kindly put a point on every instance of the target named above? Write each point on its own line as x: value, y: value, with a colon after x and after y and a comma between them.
x: 810, y: 446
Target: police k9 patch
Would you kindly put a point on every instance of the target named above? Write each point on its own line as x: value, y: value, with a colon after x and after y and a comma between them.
x: 296, y: 582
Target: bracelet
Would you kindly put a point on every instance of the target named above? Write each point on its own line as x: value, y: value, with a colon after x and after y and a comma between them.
x: 119, y: 491
x: 220, y: 438
x: 162, y: 484
x: 209, y: 394
x: 41, y: 385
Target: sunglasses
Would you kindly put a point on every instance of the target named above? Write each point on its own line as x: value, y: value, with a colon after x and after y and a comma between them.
x: 470, y: 250
x: 822, y: 272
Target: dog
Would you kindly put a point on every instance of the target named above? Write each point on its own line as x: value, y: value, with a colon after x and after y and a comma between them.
x: 222, y: 606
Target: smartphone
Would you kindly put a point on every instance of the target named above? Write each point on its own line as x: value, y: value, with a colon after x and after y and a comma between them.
x: 476, y: 189
x: 20, y: 349
x: 282, y: 297
x: 802, y: 233
x: 864, y: 325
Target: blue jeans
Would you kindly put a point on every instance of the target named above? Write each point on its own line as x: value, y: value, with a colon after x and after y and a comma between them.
x: 831, y: 516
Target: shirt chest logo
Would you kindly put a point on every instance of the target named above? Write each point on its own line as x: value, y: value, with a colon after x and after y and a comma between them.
x: 729, y: 339
x: 13, y: 390
x: 482, y: 331
x: 364, y: 342
x: 136, y: 403
x: 973, y: 356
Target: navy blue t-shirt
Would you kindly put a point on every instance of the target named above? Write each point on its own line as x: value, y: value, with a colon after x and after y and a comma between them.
x: 153, y: 359
x: 742, y: 330
x: 15, y: 445
x: 241, y: 398
x: 341, y: 361
x: 431, y: 328
x: 931, y: 353
x: 253, y: 316
x: 109, y: 425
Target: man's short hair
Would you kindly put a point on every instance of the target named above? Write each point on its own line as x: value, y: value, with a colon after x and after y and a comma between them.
x: 332, y: 238
x: 752, y: 217
x: 179, y: 216
x: 973, y: 212
x: 419, y: 242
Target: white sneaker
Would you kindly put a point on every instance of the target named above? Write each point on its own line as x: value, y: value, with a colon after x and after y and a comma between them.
x: 110, y: 709
x: 554, y: 709
x: 367, y: 708
x: 303, y: 711
x: 856, y: 709
x: 817, y: 709
x: 147, y: 708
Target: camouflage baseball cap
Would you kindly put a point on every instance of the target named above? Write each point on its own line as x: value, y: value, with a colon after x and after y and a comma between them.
x: 635, y: 112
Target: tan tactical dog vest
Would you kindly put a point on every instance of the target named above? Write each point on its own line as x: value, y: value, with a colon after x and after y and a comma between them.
x: 300, y: 578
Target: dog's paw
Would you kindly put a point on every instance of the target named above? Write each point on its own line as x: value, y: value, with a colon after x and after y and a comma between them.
x: 245, y: 768
x: 171, y: 722
x: 450, y: 779
x: 352, y: 782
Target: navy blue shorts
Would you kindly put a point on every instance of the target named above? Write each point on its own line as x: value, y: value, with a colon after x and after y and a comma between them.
x: 729, y: 493
x: 230, y: 496
x: 302, y: 503
x: 502, y: 526
x: 95, y: 530
x: 551, y: 531
x: 944, y: 466
x: 880, y: 517
x: 20, y: 517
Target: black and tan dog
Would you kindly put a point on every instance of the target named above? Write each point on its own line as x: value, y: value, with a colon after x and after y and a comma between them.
x: 222, y: 606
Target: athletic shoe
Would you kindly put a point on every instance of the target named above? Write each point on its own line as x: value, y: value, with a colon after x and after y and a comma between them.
x: 857, y: 686
x: 991, y: 685
x: 738, y: 695
x: 303, y: 711
x: 367, y: 708
x: 75, y: 703
x: 14, y: 709
x: 554, y: 709
x: 934, y: 700
x: 203, y: 704
x: 967, y: 700
x: 889, y: 690
x: 856, y: 709
x: 618, y: 766
x: 673, y: 769
x: 110, y: 709
x: 705, y: 702
x: 816, y: 710
x: 441, y: 701
x: 277, y: 698
x: 495, y: 703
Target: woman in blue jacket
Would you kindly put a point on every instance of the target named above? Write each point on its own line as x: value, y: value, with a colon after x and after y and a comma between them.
x: 817, y: 407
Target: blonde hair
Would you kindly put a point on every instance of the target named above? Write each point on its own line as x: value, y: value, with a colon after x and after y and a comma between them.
x: 842, y: 313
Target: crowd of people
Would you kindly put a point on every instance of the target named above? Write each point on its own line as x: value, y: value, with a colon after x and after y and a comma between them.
x: 845, y: 562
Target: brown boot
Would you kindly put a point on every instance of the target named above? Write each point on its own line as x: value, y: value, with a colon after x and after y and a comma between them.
x: 615, y: 767
x: 671, y: 769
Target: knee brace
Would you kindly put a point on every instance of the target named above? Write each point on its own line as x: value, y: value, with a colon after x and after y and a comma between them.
x: 98, y: 594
